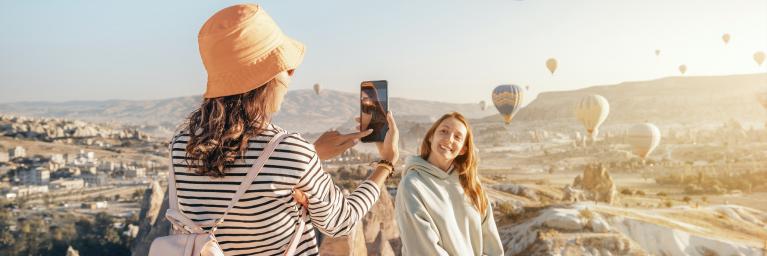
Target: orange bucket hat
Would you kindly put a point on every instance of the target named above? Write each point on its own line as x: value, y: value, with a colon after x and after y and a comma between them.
x: 242, y: 48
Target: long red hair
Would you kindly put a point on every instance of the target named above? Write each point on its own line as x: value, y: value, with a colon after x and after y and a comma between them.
x: 465, y: 164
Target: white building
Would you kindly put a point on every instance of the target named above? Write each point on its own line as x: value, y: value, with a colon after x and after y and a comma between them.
x: 85, y: 159
x: 67, y: 184
x: 28, y: 190
x: 107, y: 166
x: 136, y: 172
x: 69, y: 157
x: 94, y: 205
x: 58, y: 158
x: 94, y: 180
x: 18, y: 151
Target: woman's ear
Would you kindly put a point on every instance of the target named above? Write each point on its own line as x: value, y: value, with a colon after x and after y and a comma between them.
x: 463, y: 151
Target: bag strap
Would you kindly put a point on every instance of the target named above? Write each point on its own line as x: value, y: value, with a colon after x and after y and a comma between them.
x: 252, y: 173
x: 172, y: 196
x: 299, y: 232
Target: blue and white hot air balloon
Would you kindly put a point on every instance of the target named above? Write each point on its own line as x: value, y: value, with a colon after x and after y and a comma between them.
x: 508, y: 99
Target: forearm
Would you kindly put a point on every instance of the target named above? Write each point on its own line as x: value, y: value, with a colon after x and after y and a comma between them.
x: 379, y: 176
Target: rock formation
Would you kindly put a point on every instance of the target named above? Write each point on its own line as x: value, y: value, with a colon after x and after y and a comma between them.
x: 379, y: 224
x: 597, y: 184
x: 353, y: 244
x: 152, y: 223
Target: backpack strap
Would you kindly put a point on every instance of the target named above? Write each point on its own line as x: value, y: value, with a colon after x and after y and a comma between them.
x: 174, y: 215
x: 297, y: 236
x: 179, y: 222
x: 172, y: 196
x: 252, y: 173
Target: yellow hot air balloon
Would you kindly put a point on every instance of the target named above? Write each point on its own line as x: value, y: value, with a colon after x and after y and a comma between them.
x: 682, y: 69
x: 317, y: 89
x: 643, y: 138
x: 592, y: 111
x: 726, y: 38
x: 759, y: 57
x: 551, y: 64
x: 657, y: 52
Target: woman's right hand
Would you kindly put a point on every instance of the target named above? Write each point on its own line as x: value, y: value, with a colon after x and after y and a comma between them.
x: 389, y: 148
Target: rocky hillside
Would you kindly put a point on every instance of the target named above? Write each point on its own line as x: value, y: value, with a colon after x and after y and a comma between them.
x: 50, y: 129
x: 599, y: 229
x: 671, y: 100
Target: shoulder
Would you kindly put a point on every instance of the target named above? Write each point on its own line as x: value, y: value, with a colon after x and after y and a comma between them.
x: 180, y: 138
x: 293, y: 143
x: 411, y: 182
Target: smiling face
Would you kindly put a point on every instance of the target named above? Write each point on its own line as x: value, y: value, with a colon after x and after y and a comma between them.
x: 447, y: 142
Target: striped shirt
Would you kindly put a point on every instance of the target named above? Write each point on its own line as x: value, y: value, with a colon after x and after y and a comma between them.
x: 264, y: 219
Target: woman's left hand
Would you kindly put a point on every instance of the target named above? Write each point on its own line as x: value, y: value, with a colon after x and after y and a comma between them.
x: 333, y: 143
x: 300, y: 198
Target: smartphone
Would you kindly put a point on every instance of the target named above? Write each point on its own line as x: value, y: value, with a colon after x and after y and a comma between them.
x: 374, y: 104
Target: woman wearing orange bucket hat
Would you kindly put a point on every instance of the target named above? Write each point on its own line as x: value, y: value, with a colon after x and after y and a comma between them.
x: 218, y: 152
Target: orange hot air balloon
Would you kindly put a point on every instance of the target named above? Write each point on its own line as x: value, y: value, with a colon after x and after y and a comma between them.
x: 317, y: 89
x: 726, y: 38
x: 551, y: 64
x: 759, y: 57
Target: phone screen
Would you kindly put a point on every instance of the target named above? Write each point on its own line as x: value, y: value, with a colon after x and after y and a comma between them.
x: 374, y: 104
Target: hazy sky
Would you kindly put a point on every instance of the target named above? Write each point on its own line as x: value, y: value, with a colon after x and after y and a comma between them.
x: 453, y: 51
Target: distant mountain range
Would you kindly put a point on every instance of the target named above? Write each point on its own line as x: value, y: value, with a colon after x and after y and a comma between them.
x: 671, y: 100
x: 302, y: 110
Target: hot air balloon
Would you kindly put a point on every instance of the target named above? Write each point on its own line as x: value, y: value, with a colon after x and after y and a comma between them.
x: 726, y: 38
x: 591, y: 111
x: 759, y: 57
x: 527, y: 87
x: 483, y: 105
x: 657, y: 52
x: 643, y: 138
x: 317, y: 89
x: 507, y: 99
x: 682, y: 69
x: 551, y: 64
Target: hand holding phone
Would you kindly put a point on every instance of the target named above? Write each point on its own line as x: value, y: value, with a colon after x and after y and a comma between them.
x: 374, y: 104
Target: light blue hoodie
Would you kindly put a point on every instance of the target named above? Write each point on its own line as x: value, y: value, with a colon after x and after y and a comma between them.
x: 436, y: 218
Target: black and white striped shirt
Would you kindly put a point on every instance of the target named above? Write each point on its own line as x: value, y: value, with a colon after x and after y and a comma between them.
x: 264, y: 219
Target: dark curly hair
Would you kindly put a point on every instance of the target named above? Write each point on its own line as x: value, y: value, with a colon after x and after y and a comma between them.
x: 221, y: 127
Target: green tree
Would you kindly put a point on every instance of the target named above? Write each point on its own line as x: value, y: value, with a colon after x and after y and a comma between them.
x: 34, y: 237
x: 6, y: 235
x: 138, y: 194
